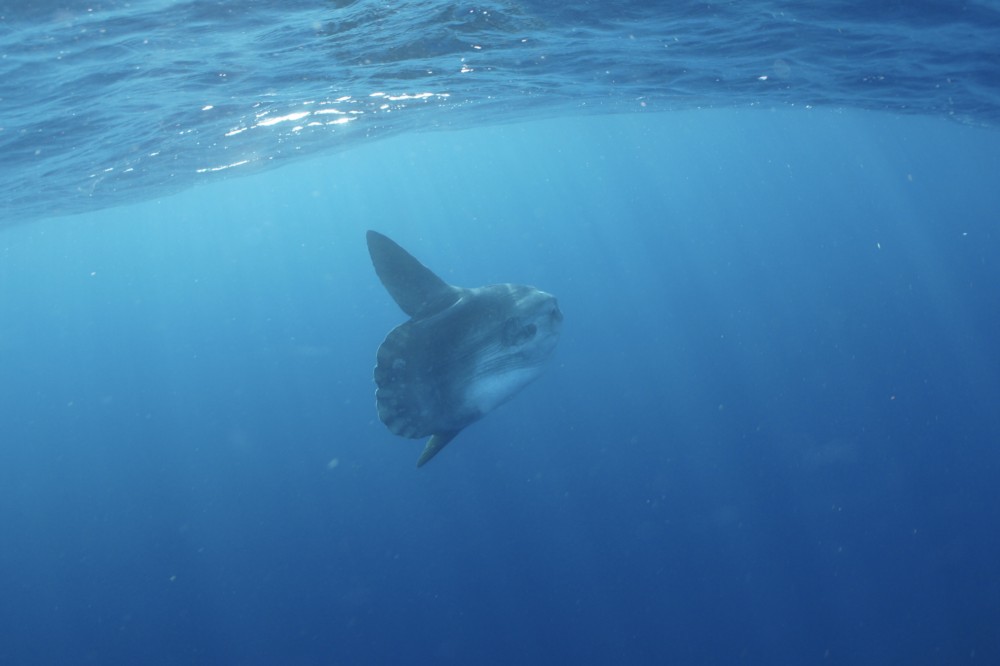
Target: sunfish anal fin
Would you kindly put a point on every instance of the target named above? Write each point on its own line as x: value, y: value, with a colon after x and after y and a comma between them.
x: 435, y: 444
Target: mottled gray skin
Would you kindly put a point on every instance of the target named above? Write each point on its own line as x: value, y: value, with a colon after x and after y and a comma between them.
x: 463, y: 353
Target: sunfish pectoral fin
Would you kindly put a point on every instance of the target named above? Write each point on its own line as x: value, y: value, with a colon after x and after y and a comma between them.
x: 435, y: 444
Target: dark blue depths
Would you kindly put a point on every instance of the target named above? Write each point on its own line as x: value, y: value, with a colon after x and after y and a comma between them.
x: 768, y: 435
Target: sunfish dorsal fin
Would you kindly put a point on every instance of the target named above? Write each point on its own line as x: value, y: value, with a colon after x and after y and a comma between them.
x: 414, y: 287
x: 435, y: 444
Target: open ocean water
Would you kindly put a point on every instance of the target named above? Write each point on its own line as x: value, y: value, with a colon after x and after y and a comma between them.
x: 769, y: 434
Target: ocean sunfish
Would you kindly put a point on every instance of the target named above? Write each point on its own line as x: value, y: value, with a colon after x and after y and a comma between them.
x: 462, y: 354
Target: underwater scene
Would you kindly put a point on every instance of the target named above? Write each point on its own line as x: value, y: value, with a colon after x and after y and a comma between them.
x: 511, y: 333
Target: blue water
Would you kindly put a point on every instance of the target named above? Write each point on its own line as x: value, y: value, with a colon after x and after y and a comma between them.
x: 769, y: 435
x: 114, y: 101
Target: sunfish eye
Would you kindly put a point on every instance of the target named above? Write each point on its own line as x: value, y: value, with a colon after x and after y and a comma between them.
x: 514, y: 333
